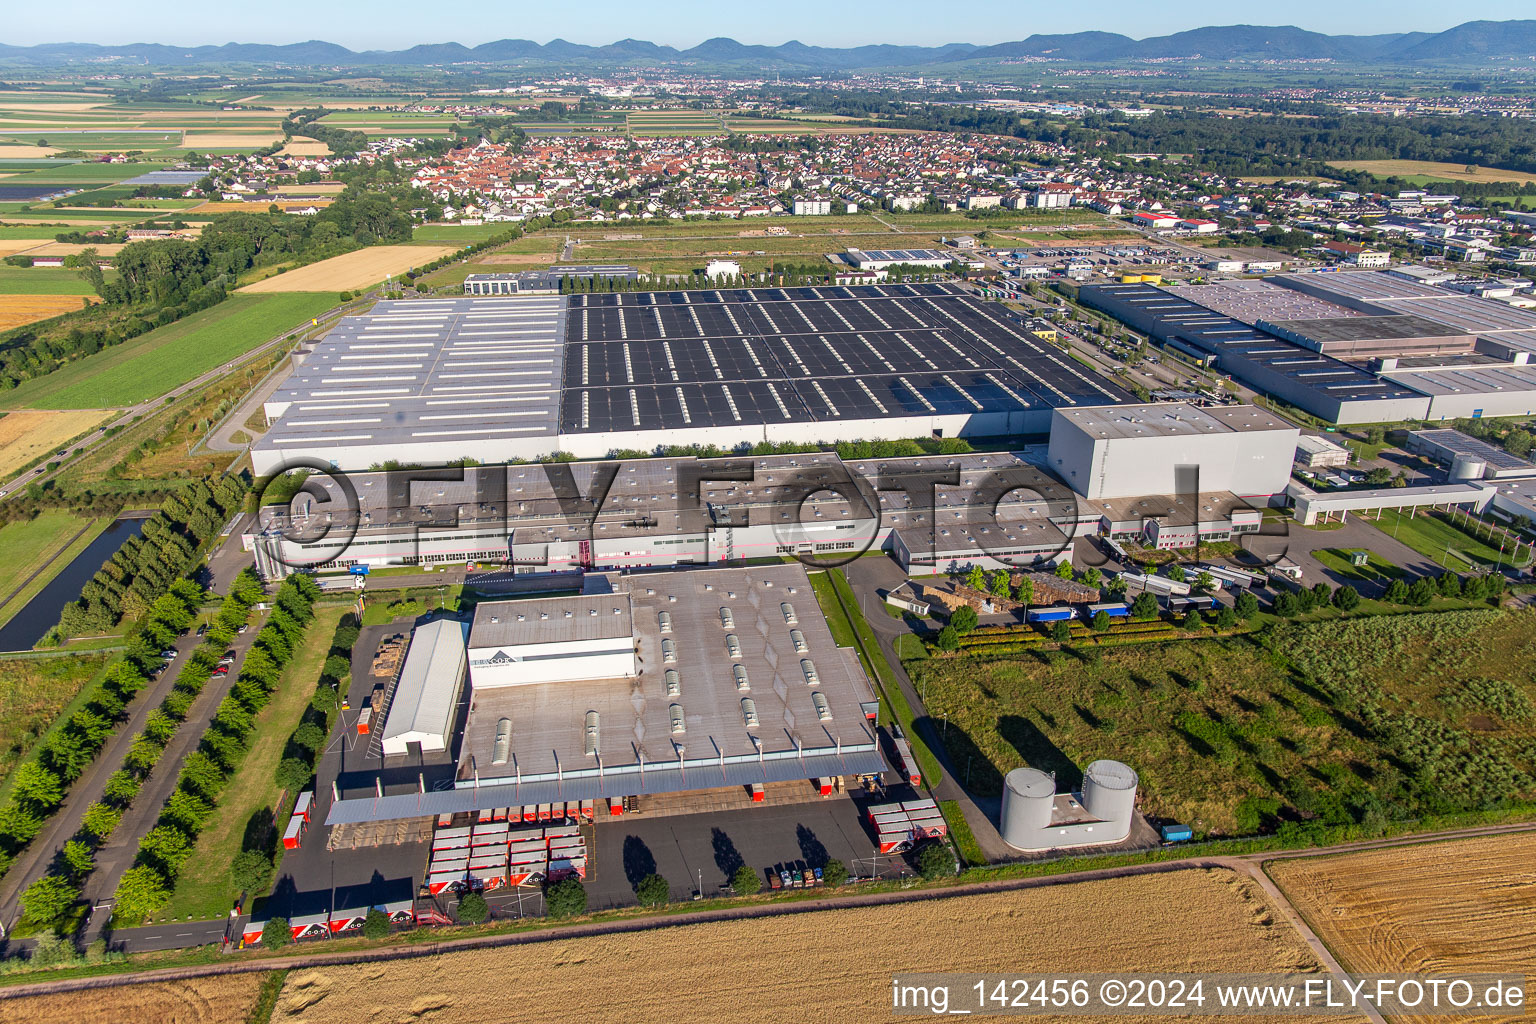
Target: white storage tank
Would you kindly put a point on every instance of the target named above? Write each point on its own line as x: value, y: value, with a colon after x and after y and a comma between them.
x: 1028, y: 796
x: 1109, y: 794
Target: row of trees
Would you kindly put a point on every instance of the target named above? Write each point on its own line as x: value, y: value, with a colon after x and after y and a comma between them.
x: 253, y: 867
x: 147, y: 885
x: 145, y: 565
x: 49, y: 899
x: 40, y: 784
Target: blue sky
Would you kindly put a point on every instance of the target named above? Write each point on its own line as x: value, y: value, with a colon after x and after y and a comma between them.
x: 381, y: 24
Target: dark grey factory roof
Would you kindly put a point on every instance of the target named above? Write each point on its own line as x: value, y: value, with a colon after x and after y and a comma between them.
x: 1401, y: 327
x: 1164, y: 316
x: 551, y: 620
x: 1453, y: 442
x: 782, y: 355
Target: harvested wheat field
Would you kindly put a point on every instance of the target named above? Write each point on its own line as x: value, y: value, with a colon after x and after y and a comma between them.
x: 16, y: 310
x: 12, y: 246
x: 352, y: 270
x: 24, y: 435
x: 52, y: 248
x: 23, y: 152
x: 222, y: 1000
x: 1439, y: 908
x: 831, y: 966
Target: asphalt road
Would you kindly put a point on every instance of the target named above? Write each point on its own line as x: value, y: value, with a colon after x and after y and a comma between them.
x: 118, y: 854
x: 126, y: 417
x: 36, y: 858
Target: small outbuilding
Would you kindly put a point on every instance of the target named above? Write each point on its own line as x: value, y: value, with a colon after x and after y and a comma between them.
x: 426, y: 698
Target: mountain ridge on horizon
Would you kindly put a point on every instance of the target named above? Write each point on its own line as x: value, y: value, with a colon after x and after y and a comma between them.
x: 1478, y: 39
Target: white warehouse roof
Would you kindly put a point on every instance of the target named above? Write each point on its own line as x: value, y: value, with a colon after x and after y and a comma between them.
x: 426, y: 696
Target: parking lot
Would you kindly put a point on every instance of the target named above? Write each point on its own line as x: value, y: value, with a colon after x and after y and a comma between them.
x: 688, y: 850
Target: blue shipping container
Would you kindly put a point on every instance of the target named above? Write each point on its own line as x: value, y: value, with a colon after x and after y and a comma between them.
x: 1176, y: 833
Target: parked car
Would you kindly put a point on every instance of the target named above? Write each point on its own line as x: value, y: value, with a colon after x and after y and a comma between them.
x: 169, y: 654
x: 243, y: 627
x: 221, y: 670
x: 202, y: 628
x: 228, y: 658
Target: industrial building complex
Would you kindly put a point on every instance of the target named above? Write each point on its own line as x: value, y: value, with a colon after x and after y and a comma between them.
x: 1349, y: 347
x: 711, y: 679
x: 518, y: 376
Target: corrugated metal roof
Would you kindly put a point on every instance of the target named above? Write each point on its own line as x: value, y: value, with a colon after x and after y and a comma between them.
x: 661, y: 777
x: 552, y: 620
x: 428, y: 690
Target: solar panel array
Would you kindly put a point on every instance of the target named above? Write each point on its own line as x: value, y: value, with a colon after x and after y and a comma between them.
x: 668, y: 360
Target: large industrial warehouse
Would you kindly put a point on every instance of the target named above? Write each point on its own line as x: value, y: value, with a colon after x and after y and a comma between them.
x: 994, y: 509
x: 673, y: 682
x: 498, y: 378
x: 1355, y: 347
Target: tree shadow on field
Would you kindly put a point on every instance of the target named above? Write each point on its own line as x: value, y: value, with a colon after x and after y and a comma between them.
x: 1039, y: 751
x: 638, y: 860
x: 259, y: 833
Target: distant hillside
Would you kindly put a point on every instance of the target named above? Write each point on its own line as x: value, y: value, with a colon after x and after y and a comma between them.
x: 1471, y: 42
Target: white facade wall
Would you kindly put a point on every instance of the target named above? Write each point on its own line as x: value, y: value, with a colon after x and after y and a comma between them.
x: 1250, y: 462
x: 559, y: 662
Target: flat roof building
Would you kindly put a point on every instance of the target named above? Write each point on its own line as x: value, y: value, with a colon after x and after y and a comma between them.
x: 521, y: 377
x: 1313, y: 381
x: 740, y: 682
x: 425, y: 703
x: 1317, y: 452
x: 1171, y: 448
x: 883, y: 259
x: 1452, y: 448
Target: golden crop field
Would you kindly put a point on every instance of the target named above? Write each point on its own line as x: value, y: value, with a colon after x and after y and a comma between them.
x: 833, y: 966
x: 222, y: 1000
x: 24, y: 434
x: 11, y: 246
x: 51, y: 248
x: 1437, y: 171
x: 1467, y: 906
x: 352, y: 270
x: 301, y: 146
x: 16, y: 310
x: 15, y: 152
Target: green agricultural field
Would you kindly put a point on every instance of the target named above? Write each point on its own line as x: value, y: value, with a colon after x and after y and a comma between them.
x: 42, y: 281
x: 33, y: 692
x: 154, y: 138
x: 1367, y: 718
x: 451, y: 234
x: 158, y: 361
x: 30, y: 545
x: 70, y: 173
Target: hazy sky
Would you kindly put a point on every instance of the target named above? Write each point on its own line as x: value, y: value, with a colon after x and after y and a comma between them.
x: 391, y: 24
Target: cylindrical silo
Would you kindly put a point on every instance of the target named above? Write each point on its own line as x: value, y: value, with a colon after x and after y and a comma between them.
x: 1028, y: 796
x: 1109, y: 794
x: 1468, y: 467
